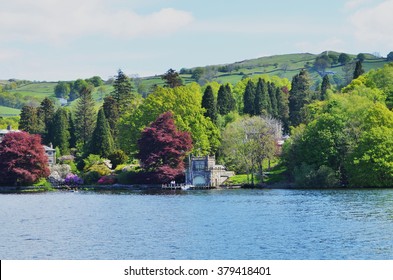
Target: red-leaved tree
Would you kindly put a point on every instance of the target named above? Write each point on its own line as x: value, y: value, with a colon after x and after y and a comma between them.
x: 162, y: 149
x: 22, y: 159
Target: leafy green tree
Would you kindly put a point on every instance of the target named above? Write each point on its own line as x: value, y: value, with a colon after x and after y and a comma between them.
x: 324, y: 87
x: 46, y: 111
x: 85, y: 116
x: 344, y: 58
x: 62, y: 90
x: 197, y: 73
x: 249, y: 99
x: 101, y: 142
x: 185, y: 103
x: 299, y: 96
x: 29, y: 120
x: 358, y: 69
x: 76, y: 89
x: 209, y: 103
x: 96, y: 81
x: 117, y: 157
x: 247, y: 142
x: 122, y: 92
x: 172, y: 79
x: 61, y: 133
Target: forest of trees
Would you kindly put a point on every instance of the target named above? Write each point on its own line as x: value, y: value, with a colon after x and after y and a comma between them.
x: 337, y: 137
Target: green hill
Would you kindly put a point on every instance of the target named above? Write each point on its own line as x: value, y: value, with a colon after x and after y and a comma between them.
x: 284, y: 66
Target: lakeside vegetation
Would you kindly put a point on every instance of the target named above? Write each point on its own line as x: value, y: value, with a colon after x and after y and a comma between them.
x: 336, y: 109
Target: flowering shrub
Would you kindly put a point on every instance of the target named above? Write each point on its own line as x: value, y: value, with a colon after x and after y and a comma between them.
x: 107, y: 180
x: 73, y: 180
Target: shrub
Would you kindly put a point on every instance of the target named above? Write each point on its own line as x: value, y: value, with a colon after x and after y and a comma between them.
x: 73, y: 180
x: 91, y: 177
x: 117, y: 157
x: 308, y: 176
x: 107, y: 180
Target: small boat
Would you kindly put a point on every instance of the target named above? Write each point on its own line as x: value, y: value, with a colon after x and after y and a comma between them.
x: 186, y: 187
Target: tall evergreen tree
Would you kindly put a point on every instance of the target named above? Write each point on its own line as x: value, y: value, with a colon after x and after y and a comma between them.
x: 73, y: 139
x: 262, y: 103
x: 223, y: 101
x: 299, y: 96
x: 282, y: 107
x: 358, y: 70
x: 111, y: 111
x: 249, y: 99
x: 324, y: 87
x: 85, y: 117
x: 61, y: 133
x: 29, y: 121
x: 46, y: 111
x: 172, y: 79
x: 122, y: 92
x: 101, y: 142
x: 209, y: 104
x: 231, y: 98
x: 273, y: 99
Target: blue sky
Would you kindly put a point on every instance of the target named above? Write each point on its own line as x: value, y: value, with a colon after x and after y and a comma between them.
x: 68, y: 39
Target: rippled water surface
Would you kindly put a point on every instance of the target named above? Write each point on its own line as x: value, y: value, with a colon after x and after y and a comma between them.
x: 215, y: 224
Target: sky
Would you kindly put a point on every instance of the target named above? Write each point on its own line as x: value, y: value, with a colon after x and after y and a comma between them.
x: 52, y: 40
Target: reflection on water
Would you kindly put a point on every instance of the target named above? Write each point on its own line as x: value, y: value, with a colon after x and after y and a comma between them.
x: 214, y: 224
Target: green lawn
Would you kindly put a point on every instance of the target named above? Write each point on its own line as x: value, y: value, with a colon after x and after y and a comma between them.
x: 4, y: 111
x: 39, y: 90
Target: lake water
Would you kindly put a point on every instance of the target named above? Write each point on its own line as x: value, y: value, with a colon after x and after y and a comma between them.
x: 211, y: 224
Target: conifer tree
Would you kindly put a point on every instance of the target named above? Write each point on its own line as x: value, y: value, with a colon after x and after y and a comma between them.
x: 324, y: 87
x: 209, y: 104
x: 71, y: 129
x: 29, y: 121
x: 122, y: 92
x: 273, y: 99
x: 85, y: 117
x: 46, y: 111
x: 231, y: 98
x: 262, y: 100
x: 299, y: 96
x: 249, y: 98
x: 282, y: 107
x: 61, y: 133
x: 222, y: 101
x: 172, y: 79
x: 111, y: 114
x: 358, y: 70
x: 101, y: 142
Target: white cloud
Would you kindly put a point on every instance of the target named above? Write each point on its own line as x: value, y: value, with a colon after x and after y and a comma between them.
x: 62, y: 20
x: 372, y: 26
x: 354, y: 4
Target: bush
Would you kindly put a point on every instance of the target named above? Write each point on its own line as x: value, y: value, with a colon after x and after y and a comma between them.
x: 91, y: 177
x: 107, y: 180
x: 117, y: 157
x: 73, y: 180
x: 308, y: 176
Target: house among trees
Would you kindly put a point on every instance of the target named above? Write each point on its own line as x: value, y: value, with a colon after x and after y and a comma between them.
x: 203, y: 171
x: 49, y: 151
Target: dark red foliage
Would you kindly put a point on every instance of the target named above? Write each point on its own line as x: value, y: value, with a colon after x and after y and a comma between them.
x: 22, y: 159
x: 162, y: 149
